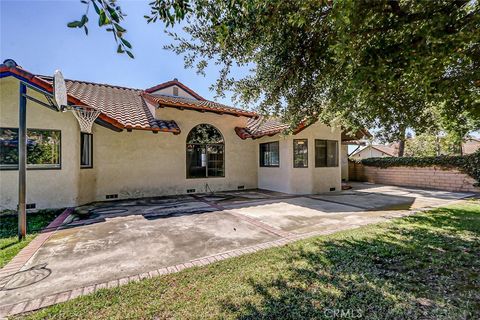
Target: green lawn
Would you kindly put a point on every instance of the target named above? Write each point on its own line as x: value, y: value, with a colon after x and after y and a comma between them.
x: 423, y: 266
x: 9, y: 244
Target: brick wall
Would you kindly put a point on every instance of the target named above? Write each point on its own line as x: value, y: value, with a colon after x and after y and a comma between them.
x: 421, y: 177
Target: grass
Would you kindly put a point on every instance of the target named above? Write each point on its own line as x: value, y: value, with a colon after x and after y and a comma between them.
x: 424, y: 266
x: 9, y: 244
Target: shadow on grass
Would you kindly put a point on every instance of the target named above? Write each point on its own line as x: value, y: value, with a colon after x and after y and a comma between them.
x: 36, y: 221
x: 424, y: 266
x: 9, y: 244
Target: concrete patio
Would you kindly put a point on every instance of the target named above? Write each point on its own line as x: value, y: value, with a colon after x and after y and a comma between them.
x: 108, y: 241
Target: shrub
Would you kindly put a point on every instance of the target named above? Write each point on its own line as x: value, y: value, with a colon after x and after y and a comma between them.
x: 469, y: 164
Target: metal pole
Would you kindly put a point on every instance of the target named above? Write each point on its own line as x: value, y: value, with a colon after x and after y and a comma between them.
x: 22, y: 163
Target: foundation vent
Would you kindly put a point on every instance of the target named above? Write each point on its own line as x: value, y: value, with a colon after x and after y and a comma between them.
x: 241, y: 187
x: 190, y: 190
x: 332, y: 189
x: 31, y: 205
x: 111, y: 196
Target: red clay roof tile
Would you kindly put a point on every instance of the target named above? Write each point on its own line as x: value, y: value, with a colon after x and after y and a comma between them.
x: 262, y: 126
x: 199, y: 105
x: 126, y: 107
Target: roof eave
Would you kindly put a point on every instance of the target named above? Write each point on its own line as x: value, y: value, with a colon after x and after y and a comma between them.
x: 173, y: 83
x: 158, y: 104
x: 30, y: 78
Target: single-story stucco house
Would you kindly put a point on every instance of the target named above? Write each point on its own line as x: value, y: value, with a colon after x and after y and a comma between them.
x: 376, y: 151
x: 163, y: 140
x: 470, y: 145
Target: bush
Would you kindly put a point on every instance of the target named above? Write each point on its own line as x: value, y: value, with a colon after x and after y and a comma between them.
x: 469, y: 164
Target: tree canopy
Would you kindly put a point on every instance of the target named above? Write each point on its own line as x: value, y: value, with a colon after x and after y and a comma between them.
x: 357, y: 63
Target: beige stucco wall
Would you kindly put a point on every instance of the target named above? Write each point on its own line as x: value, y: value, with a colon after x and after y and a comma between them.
x: 288, y: 179
x: 169, y: 92
x: 140, y: 163
x: 50, y: 188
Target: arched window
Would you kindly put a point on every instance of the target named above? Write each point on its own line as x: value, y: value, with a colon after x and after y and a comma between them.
x: 205, y: 152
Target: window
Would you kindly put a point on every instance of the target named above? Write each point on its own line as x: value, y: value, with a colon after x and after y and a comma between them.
x: 43, y: 148
x: 175, y: 91
x: 205, y: 152
x: 300, y: 153
x: 269, y: 154
x: 326, y: 153
x: 86, y: 150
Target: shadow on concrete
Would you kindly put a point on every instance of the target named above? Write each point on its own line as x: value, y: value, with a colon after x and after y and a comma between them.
x: 364, y: 197
x: 154, y: 208
x: 25, y: 278
x: 423, y: 268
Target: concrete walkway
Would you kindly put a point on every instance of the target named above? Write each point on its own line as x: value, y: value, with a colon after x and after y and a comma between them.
x: 110, y: 244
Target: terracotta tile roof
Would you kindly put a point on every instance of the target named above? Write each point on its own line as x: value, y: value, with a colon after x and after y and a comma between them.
x: 263, y: 126
x: 123, y: 104
x: 174, y: 82
x: 260, y: 127
x: 125, y: 108
x: 199, y: 105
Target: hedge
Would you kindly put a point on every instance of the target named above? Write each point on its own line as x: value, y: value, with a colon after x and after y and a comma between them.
x: 469, y: 164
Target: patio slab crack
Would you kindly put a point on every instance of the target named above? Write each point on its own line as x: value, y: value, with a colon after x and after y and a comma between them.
x: 255, y: 222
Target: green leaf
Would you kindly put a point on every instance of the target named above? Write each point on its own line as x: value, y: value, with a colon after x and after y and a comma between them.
x: 102, y: 18
x: 74, y: 24
x: 113, y: 14
x: 119, y: 27
x: 97, y: 9
x: 84, y: 20
x: 130, y: 54
x: 126, y: 43
x: 86, y: 30
x: 119, y: 49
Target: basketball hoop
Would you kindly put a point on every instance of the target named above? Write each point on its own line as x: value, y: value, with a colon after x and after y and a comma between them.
x: 85, y: 116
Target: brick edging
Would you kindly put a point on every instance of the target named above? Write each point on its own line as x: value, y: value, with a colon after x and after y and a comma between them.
x: 26, y: 253
x: 39, y: 303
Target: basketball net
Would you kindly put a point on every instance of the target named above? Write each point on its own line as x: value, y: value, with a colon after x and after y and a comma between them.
x: 85, y: 117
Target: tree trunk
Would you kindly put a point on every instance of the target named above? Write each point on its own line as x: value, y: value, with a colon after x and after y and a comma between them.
x: 401, y: 142
x: 437, y: 144
x: 401, y: 147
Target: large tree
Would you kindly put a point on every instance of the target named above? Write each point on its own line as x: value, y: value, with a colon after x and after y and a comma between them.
x: 387, y: 64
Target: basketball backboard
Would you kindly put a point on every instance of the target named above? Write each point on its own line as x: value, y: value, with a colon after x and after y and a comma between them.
x: 59, y: 90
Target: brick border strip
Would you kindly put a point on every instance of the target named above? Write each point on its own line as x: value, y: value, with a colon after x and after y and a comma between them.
x: 39, y: 303
x: 26, y: 253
